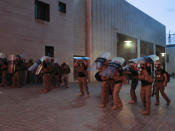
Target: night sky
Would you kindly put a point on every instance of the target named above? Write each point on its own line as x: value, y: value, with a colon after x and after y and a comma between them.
x: 161, y: 10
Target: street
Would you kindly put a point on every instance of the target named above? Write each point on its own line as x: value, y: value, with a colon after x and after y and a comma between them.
x: 26, y: 109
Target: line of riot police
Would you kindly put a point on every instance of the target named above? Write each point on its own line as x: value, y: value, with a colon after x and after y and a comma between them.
x: 113, y: 74
x: 15, y: 72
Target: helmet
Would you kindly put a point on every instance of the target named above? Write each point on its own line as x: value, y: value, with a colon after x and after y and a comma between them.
x: 157, y: 64
x: 142, y: 64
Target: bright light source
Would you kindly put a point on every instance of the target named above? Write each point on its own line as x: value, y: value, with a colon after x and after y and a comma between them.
x: 163, y: 54
x: 128, y: 43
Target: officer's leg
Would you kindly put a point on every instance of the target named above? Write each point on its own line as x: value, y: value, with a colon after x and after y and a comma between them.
x: 86, y: 86
x: 157, y: 94
x: 164, y: 95
x: 116, y: 97
x: 142, y: 95
x: 80, y: 82
x: 148, y: 100
x: 103, y: 85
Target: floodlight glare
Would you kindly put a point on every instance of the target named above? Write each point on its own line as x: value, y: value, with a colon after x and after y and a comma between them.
x: 162, y: 54
x: 128, y: 43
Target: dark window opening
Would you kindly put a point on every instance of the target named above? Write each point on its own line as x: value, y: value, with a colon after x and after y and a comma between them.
x: 62, y: 7
x: 49, y: 51
x: 42, y: 11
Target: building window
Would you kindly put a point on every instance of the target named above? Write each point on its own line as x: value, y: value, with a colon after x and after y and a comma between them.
x: 42, y: 11
x: 62, y: 7
x: 49, y: 51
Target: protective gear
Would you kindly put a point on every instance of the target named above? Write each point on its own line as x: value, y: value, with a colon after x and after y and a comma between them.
x: 46, y: 78
x: 157, y: 65
x: 134, y: 82
x: 4, y: 82
x: 142, y: 65
x: 150, y: 59
x: 2, y: 56
x: 83, y: 83
x: 98, y: 76
x: 65, y: 69
x: 119, y: 79
x: 57, y: 74
x: 81, y: 58
x: 146, y: 85
x: 16, y: 76
x: 160, y: 79
x: 100, y: 61
x: 113, y: 66
x: 37, y: 66
x: 116, y: 97
x: 12, y: 59
x: 82, y: 77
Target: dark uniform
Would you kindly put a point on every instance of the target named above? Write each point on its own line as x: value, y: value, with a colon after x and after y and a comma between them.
x: 52, y: 75
x: 82, y: 78
x: 146, y: 86
x: 57, y: 74
x: 30, y: 74
x: 134, y: 82
x: 65, y: 70
x: 23, y: 73
x: 4, y: 68
x: 105, y: 85
x: 119, y: 79
x: 46, y: 77
x: 160, y: 83
x: 16, y: 76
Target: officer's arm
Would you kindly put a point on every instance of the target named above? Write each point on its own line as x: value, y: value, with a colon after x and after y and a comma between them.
x: 148, y: 78
x: 76, y: 63
x: 124, y: 80
x: 165, y: 79
x: 127, y: 72
x: 141, y: 76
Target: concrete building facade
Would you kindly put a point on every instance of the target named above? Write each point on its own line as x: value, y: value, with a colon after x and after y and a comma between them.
x: 170, y: 59
x: 78, y: 28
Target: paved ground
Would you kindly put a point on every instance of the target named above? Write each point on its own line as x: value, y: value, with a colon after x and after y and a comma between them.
x: 25, y: 109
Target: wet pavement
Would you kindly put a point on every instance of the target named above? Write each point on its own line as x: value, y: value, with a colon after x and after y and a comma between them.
x: 26, y: 109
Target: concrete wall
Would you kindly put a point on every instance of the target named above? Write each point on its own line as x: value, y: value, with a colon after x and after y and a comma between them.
x: 171, y: 63
x: 110, y: 17
x: 20, y: 32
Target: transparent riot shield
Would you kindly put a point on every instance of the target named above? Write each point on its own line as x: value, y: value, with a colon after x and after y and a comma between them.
x: 98, y: 63
x: 115, y: 64
x: 150, y: 59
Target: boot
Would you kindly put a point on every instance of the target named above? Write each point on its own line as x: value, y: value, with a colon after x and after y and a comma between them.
x: 146, y: 112
x: 101, y: 105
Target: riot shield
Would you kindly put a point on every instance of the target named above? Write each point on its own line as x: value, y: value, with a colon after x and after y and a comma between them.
x: 98, y: 63
x: 150, y: 59
x: 37, y: 66
x: 115, y: 64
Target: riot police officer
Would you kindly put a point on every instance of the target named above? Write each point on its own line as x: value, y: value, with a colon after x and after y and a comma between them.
x: 160, y: 83
x: 146, y: 86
